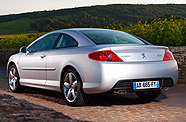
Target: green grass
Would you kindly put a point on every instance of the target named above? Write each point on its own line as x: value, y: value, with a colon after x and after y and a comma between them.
x: 19, y: 26
x: 65, y: 17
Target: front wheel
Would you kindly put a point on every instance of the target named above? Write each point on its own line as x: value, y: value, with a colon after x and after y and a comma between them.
x: 148, y: 95
x: 72, y: 89
x: 13, y: 79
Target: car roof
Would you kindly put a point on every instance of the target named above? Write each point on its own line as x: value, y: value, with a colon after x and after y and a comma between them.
x: 77, y: 35
x: 74, y: 32
x: 80, y: 29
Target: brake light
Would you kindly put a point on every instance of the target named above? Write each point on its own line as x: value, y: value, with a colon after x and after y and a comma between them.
x: 105, y: 56
x: 168, y: 56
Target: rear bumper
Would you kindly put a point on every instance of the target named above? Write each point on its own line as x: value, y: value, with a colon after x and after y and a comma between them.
x: 128, y: 84
x: 112, y: 74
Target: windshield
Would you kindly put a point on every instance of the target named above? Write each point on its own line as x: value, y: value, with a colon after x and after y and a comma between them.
x: 111, y: 37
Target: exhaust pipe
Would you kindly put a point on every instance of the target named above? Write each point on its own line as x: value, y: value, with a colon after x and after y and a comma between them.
x: 166, y: 88
x: 121, y: 92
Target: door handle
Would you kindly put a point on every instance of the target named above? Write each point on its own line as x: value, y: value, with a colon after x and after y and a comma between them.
x: 43, y: 55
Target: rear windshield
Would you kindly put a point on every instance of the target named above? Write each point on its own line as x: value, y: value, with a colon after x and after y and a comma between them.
x: 111, y: 37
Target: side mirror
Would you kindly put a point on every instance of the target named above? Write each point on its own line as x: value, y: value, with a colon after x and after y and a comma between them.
x: 22, y: 49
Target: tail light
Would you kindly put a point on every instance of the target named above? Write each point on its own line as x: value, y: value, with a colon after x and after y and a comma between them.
x: 168, y: 56
x: 105, y: 56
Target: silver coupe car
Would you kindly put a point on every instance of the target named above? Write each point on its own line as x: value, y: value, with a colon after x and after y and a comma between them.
x: 80, y: 62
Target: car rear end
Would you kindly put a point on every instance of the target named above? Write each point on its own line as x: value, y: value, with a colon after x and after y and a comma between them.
x: 136, y: 68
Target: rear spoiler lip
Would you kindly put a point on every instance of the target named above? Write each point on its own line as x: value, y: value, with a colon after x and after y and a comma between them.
x: 146, y: 42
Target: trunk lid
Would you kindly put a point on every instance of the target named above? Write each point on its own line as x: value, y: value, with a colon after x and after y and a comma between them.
x: 139, y: 53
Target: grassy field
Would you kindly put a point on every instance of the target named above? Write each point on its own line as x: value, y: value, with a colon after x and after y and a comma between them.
x: 19, y: 26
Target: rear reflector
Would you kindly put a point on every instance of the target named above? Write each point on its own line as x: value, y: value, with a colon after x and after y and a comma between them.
x: 168, y: 56
x: 105, y: 56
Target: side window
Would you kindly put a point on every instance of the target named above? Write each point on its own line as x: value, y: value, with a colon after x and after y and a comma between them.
x: 46, y: 43
x: 66, y: 41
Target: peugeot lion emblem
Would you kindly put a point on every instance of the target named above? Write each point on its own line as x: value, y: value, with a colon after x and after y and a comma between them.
x: 143, y: 55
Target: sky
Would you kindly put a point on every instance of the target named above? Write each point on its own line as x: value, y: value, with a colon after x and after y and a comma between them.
x: 21, y: 6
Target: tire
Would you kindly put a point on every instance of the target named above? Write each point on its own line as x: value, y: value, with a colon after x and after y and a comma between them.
x: 13, y: 79
x: 148, y: 95
x: 72, y: 89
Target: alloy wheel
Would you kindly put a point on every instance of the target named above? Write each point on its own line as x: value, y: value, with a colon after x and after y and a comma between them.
x: 70, y: 87
x: 13, y: 78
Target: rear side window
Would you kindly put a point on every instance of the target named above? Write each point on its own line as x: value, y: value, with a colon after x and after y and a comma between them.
x: 46, y: 43
x: 66, y: 41
x: 111, y: 37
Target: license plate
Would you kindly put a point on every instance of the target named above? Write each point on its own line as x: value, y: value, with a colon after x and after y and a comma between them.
x: 146, y: 85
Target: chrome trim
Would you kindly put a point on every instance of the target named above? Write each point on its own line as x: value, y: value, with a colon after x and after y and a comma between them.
x: 37, y: 68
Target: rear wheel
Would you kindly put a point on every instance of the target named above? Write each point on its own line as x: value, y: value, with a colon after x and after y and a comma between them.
x: 13, y: 79
x: 148, y: 95
x: 72, y: 89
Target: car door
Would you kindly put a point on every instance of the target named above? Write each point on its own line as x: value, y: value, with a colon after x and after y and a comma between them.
x: 65, y: 46
x: 33, y: 64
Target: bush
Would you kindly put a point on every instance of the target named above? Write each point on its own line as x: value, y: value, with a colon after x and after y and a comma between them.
x: 160, y: 32
x: 17, y: 41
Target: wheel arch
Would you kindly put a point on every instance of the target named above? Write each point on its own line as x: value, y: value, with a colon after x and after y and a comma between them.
x: 9, y: 65
x: 63, y: 73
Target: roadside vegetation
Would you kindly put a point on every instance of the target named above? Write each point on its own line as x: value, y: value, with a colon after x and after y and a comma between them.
x: 17, y: 41
x: 168, y: 32
x: 162, y: 31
